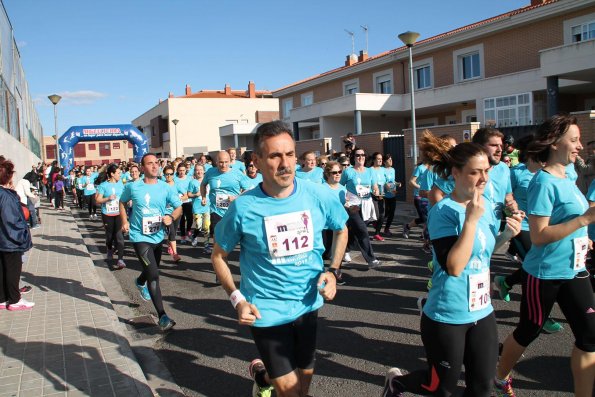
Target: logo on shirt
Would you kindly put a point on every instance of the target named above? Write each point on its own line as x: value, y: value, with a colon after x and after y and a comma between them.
x: 147, y: 199
x: 218, y: 183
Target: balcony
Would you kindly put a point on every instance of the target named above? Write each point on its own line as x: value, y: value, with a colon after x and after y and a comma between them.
x: 574, y: 61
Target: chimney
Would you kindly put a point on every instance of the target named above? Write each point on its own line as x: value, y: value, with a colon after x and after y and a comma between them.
x: 171, y: 95
x: 188, y: 90
x: 363, y: 55
x: 227, y: 89
x: 251, y: 90
x: 351, y: 60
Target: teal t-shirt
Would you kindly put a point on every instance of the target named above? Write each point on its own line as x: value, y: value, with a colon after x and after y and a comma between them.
x: 315, y: 175
x: 561, y: 201
x: 238, y: 166
x: 571, y: 172
x: 251, y: 183
x: 182, y: 186
x: 149, y: 206
x: 89, y: 184
x: 359, y: 183
x: 222, y: 185
x: 445, y: 185
x: 380, y: 174
x: 106, y: 189
x: 197, y: 207
x: 497, y: 187
x: 390, y: 182
x: 339, y: 191
x: 520, y: 176
x: 281, y: 248
x: 591, y: 197
x: 418, y: 172
x: 465, y: 298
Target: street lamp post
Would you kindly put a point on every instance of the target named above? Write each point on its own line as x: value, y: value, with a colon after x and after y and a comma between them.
x: 176, y: 121
x: 54, y: 98
x: 408, y: 38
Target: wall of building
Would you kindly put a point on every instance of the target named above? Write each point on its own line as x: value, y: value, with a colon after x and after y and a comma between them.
x: 119, y: 151
x: 21, y: 156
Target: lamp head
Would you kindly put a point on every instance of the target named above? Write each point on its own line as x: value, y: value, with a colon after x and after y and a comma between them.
x: 175, y: 121
x: 54, y: 98
x: 409, y: 38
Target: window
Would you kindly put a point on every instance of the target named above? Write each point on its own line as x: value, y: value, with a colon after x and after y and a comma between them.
x: 79, y: 150
x: 105, y: 149
x: 469, y: 66
x: 116, y: 145
x: 508, y: 111
x: 585, y: 31
x: 383, y: 82
x: 92, y: 146
x: 351, y: 87
x: 287, y: 106
x: 468, y: 63
x: 307, y: 98
x: 50, y: 152
x: 422, y: 76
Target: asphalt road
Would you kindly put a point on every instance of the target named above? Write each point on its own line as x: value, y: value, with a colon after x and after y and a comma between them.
x: 372, y: 325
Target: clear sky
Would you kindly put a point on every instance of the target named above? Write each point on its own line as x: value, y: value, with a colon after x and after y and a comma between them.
x: 112, y: 60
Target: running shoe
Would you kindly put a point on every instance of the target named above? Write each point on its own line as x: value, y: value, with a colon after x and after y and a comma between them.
x: 22, y: 304
x: 374, y: 264
x: 429, y: 285
x: 166, y: 323
x: 426, y: 247
x: 208, y: 249
x: 503, y: 389
x: 3, y: 305
x: 387, y: 233
x: 421, y: 301
x: 389, y: 388
x: 119, y: 265
x: 25, y: 289
x: 378, y: 237
x: 257, y: 367
x: 347, y: 257
x: 502, y: 288
x: 430, y: 265
x: 176, y: 257
x: 144, y: 291
x: 406, y: 230
x: 110, y: 254
x: 195, y: 241
x: 551, y: 326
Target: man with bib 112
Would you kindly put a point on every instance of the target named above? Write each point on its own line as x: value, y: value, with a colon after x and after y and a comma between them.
x: 279, y: 227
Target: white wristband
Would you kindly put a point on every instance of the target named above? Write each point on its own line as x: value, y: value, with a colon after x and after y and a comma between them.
x: 236, y: 297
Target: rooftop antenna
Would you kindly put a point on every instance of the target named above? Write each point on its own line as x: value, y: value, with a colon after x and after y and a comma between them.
x: 365, y: 28
x: 350, y: 33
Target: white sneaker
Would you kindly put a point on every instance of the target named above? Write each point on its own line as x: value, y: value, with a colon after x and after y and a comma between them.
x: 374, y: 264
x: 21, y: 305
x: 195, y: 241
x: 347, y: 257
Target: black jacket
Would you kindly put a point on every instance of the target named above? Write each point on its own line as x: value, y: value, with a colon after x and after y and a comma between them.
x: 14, y: 230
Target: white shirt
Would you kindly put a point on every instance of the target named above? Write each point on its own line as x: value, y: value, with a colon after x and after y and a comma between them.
x: 23, y: 189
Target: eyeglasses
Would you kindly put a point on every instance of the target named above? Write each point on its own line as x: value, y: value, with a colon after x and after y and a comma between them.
x: 168, y: 174
x: 322, y: 164
x: 360, y: 155
x: 336, y: 172
x: 345, y: 165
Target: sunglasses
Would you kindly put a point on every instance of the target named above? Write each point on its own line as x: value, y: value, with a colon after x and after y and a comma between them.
x: 336, y: 172
x: 322, y: 164
x: 250, y: 165
x: 168, y: 174
x: 360, y: 155
x: 345, y: 165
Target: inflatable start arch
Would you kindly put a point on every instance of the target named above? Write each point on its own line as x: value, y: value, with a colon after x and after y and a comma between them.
x: 89, y: 133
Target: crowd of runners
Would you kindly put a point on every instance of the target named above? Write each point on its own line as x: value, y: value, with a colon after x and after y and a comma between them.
x: 297, y: 216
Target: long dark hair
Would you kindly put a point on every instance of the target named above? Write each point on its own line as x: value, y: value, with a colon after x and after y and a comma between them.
x: 548, y: 134
x: 444, y: 161
x: 105, y: 175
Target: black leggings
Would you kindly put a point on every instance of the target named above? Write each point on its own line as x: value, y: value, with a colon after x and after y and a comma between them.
x: 59, y: 199
x: 186, y: 218
x: 358, y: 231
x: 421, y: 206
x: 448, y: 348
x: 11, y: 264
x: 379, y: 208
x: 575, y: 298
x: 519, y: 245
x: 389, y: 211
x: 150, y: 256
x: 113, y: 232
x: 79, y: 198
x: 91, y: 205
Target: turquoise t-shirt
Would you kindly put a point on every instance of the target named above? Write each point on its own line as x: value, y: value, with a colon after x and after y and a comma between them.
x: 221, y: 186
x: 315, y: 175
x: 197, y: 207
x: 253, y: 182
x: 390, y: 182
x: 520, y: 176
x: 89, y: 184
x: 281, y: 248
x: 359, y: 183
x: 418, y: 172
x: 380, y: 174
x: 591, y: 197
x: 339, y: 191
x: 182, y: 186
x: 106, y: 189
x: 497, y: 187
x: 149, y: 205
x: 571, y: 172
x: 445, y: 185
x: 125, y: 177
x: 458, y: 300
x: 238, y: 166
x: 80, y: 183
x: 561, y: 201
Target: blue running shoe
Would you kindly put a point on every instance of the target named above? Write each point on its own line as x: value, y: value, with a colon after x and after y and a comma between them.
x: 144, y: 291
x: 166, y: 323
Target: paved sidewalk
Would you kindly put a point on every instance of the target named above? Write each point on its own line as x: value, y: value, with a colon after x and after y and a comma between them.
x: 72, y: 342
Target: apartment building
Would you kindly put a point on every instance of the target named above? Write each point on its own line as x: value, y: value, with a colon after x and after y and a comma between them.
x: 92, y: 153
x: 207, y: 120
x: 511, y: 71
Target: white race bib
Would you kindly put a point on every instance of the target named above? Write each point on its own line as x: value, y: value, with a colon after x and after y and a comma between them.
x: 81, y: 186
x: 151, y: 224
x: 222, y: 200
x: 112, y: 207
x: 581, y: 247
x: 362, y: 191
x: 289, y: 234
x: 479, y: 290
x: 352, y: 199
x: 90, y: 186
